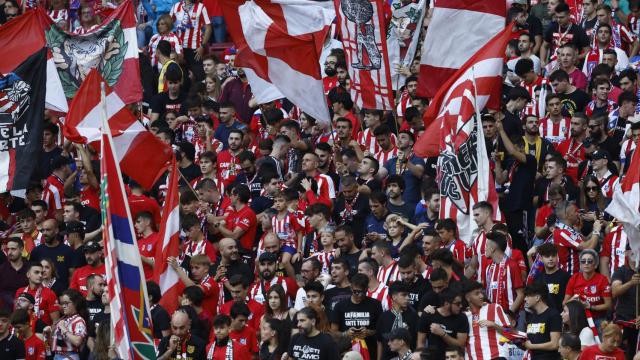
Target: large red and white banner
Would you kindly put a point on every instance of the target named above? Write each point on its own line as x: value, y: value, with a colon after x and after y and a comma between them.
x: 361, y: 25
x: 281, y: 41
x: 454, y: 134
x: 458, y: 29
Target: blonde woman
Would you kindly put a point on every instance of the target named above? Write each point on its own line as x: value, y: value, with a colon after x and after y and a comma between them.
x: 611, y: 338
x: 165, y: 25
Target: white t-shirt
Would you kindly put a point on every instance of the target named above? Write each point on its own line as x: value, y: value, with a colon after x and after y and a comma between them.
x: 586, y: 337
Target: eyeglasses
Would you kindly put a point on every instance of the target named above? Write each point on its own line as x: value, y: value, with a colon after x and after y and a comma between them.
x: 587, y: 261
x: 592, y: 188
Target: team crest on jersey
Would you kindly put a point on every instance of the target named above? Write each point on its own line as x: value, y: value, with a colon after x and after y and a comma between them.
x: 31, y: 350
x: 593, y: 289
x: 191, y: 349
x: 14, y: 97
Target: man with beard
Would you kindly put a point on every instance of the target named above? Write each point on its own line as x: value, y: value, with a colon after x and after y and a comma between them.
x: 228, y: 124
x: 331, y: 80
x: 95, y: 286
x: 13, y: 271
x: 324, y: 151
x: 357, y: 317
x: 344, y: 237
x: 54, y: 249
x: 309, y: 272
x: 248, y: 174
x: 375, y: 230
x: 414, y: 284
x: 596, y: 130
x: 372, y: 119
x: 95, y: 265
x: 400, y: 316
x: 367, y: 182
x: 267, y: 264
x: 430, y: 242
x: 444, y: 327
x: 351, y: 208
x: 325, y: 192
x: 573, y: 99
x: 406, y: 96
x: 318, y: 215
x: 555, y: 278
x: 395, y: 189
x: 407, y: 165
x: 48, y: 309
x: 572, y: 148
x: 291, y: 129
x: 181, y: 344
x: 275, y: 160
x: 342, y: 74
x: 229, y: 264
x: 237, y: 92
x: 428, y: 209
x: 525, y: 47
x: 483, y: 217
x: 309, y: 341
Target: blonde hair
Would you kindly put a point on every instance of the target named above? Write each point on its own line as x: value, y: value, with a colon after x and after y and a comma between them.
x: 608, y: 329
x: 200, y: 259
x: 392, y: 219
x: 168, y: 19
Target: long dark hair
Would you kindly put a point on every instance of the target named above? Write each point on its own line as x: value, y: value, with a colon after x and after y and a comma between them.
x: 577, y: 317
x: 79, y: 302
x: 279, y: 290
x: 600, y: 200
x: 283, y: 334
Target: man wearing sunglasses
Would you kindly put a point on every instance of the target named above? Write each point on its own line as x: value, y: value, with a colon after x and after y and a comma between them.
x: 590, y: 287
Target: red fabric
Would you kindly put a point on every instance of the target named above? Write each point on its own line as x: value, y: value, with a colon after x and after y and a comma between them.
x: 79, y: 277
x: 34, y: 348
x: 213, y: 7
x: 245, y: 218
x: 48, y: 303
x: 147, y: 247
x: 257, y: 311
x: 573, y: 152
x: 247, y: 338
x: 593, y: 290
x: 90, y: 197
x: 593, y: 352
x: 211, y: 291
x: 542, y: 214
x: 567, y: 250
x: 138, y: 203
x: 239, y: 352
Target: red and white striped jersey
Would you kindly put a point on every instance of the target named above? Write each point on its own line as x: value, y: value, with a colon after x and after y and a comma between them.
x: 538, y: 92
x: 607, y: 183
x: 78, y: 327
x: 258, y: 290
x: 218, y: 182
x: 325, y: 258
x: 326, y: 190
x: 628, y: 146
x: 567, y: 240
x: 216, y: 147
x: 58, y: 16
x: 381, y: 293
x: 555, y: 132
x: 368, y: 142
x: 611, y: 105
x: 459, y: 250
x: 384, y: 156
x: 389, y: 274
x: 483, y: 343
x: 189, y: 20
x: 286, y: 229
x: 53, y: 194
x: 502, y: 280
x: 613, y: 247
x: 634, y: 24
x: 153, y: 45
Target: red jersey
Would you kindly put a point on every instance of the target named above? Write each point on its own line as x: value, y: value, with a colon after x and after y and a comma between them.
x: 258, y: 291
x: 138, y: 203
x: 247, y: 338
x: 202, y: 247
x: 608, y: 183
x: 189, y: 20
x: 80, y: 275
x: 613, y: 247
x: 368, y: 142
x: 594, y: 352
x: 211, y: 291
x: 573, y: 152
x: 53, y: 194
x: 34, y: 348
x: 502, y: 280
x: 228, y: 167
x: 147, y: 247
x: 567, y: 240
x: 326, y: 191
x: 245, y: 218
x: 328, y: 83
x: 31, y: 240
x: 484, y: 341
x: 286, y: 229
x: 404, y: 103
x: 201, y: 147
x: 459, y: 250
x: 257, y: 311
x: 90, y: 197
x: 593, y: 290
x: 538, y: 92
x: 46, y: 302
x: 355, y: 124
x: 555, y: 132
x: 542, y: 214
x: 236, y: 351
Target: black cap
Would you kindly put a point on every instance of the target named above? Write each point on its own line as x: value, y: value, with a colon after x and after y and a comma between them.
x: 92, y: 246
x: 27, y: 297
x: 600, y: 154
x: 268, y: 256
x: 60, y: 161
x: 73, y: 227
x: 399, y: 333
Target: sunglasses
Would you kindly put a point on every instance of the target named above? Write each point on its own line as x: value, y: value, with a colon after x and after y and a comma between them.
x: 587, y: 261
x: 592, y: 188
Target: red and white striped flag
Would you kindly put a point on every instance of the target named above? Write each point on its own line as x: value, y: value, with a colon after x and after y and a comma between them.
x: 625, y: 204
x: 454, y: 134
x: 163, y: 274
x: 134, y: 144
x: 281, y: 40
x: 364, y: 41
x: 468, y: 25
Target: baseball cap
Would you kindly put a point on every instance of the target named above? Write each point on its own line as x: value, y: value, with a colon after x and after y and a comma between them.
x: 600, y: 154
x: 268, y: 256
x: 399, y: 333
x: 27, y: 297
x: 92, y: 246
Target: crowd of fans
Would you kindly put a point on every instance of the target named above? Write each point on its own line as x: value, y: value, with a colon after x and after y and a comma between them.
x: 301, y: 240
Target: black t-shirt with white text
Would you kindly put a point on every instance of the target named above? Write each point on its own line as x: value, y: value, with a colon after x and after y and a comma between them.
x: 417, y: 289
x: 363, y: 315
x: 319, y: 347
x: 452, y: 325
x: 539, y: 329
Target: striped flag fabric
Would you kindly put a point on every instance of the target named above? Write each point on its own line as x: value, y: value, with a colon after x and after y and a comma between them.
x: 128, y: 298
x: 281, y: 40
x: 625, y: 204
x: 454, y: 134
x: 163, y: 274
x: 133, y: 142
x: 403, y: 35
x: 112, y: 48
x: 21, y: 38
x: 469, y: 24
x: 361, y: 25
